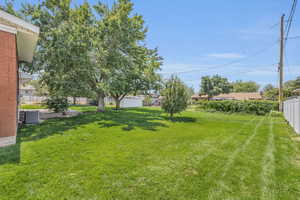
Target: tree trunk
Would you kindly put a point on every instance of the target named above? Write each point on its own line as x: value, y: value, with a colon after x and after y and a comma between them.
x: 118, y: 103
x: 101, y: 103
x: 74, y: 100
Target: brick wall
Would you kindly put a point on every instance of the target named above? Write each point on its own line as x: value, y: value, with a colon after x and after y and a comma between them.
x: 8, y: 85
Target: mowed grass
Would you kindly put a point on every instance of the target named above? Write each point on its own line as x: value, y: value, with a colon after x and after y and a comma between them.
x: 81, y: 108
x: 140, y: 154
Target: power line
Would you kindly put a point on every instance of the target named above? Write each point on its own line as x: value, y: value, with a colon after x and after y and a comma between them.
x: 290, y: 19
x: 227, y: 64
x: 292, y: 38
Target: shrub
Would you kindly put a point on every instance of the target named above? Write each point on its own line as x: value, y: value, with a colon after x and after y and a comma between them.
x: 230, y: 106
x: 175, y: 96
x: 57, y: 104
x: 276, y: 114
x: 147, y: 101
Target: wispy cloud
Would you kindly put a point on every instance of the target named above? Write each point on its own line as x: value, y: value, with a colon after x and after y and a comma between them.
x: 226, y: 55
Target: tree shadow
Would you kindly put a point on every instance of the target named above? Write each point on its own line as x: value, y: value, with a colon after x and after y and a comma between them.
x: 127, y: 119
x: 180, y: 119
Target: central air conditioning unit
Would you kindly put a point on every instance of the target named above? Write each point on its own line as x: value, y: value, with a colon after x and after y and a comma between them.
x: 30, y: 117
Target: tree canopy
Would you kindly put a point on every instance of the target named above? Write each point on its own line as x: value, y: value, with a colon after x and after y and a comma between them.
x: 123, y: 63
x: 249, y: 86
x: 92, y: 51
x: 214, y: 85
x: 271, y: 93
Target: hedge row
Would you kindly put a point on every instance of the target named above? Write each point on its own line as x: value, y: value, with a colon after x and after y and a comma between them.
x: 230, y: 106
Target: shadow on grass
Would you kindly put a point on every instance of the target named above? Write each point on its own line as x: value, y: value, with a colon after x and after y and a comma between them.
x: 180, y: 119
x: 128, y: 119
x: 11, y: 154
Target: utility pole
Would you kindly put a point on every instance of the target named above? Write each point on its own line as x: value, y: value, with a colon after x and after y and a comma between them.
x: 280, y: 69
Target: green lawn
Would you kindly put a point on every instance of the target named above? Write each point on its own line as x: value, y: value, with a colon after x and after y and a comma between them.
x: 139, y: 154
x: 33, y: 106
x: 81, y: 108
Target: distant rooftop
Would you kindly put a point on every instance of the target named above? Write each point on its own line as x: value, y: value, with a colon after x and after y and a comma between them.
x: 240, y: 96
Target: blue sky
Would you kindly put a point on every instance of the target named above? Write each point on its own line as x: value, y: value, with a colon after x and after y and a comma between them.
x: 232, y: 38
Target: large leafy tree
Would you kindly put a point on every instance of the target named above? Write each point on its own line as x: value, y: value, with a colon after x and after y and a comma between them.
x: 122, y: 63
x: 63, y: 46
x: 249, y: 86
x: 92, y: 55
x: 214, y: 85
x: 135, y: 76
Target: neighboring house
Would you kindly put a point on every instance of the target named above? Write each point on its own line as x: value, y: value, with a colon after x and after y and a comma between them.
x: 17, y: 43
x: 239, y: 96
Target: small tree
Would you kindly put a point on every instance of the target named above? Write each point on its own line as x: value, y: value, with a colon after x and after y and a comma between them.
x: 175, y: 96
x: 58, y: 104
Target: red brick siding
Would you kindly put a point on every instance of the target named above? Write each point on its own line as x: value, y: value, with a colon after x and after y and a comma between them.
x: 8, y: 84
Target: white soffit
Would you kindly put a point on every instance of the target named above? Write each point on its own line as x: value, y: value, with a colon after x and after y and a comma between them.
x: 8, y: 29
x: 19, y: 22
x: 26, y: 44
x: 27, y: 35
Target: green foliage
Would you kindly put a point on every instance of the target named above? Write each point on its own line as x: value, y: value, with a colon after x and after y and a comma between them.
x: 214, y: 85
x: 293, y: 84
x: 62, y: 52
x: 92, y: 51
x: 276, y: 114
x: 175, y: 96
x: 272, y: 93
x: 58, y: 104
x: 240, y: 86
x: 8, y: 6
x: 250, y: 107
x: 125, y: 64
x: 40, y: 88
x: 147, y: 101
